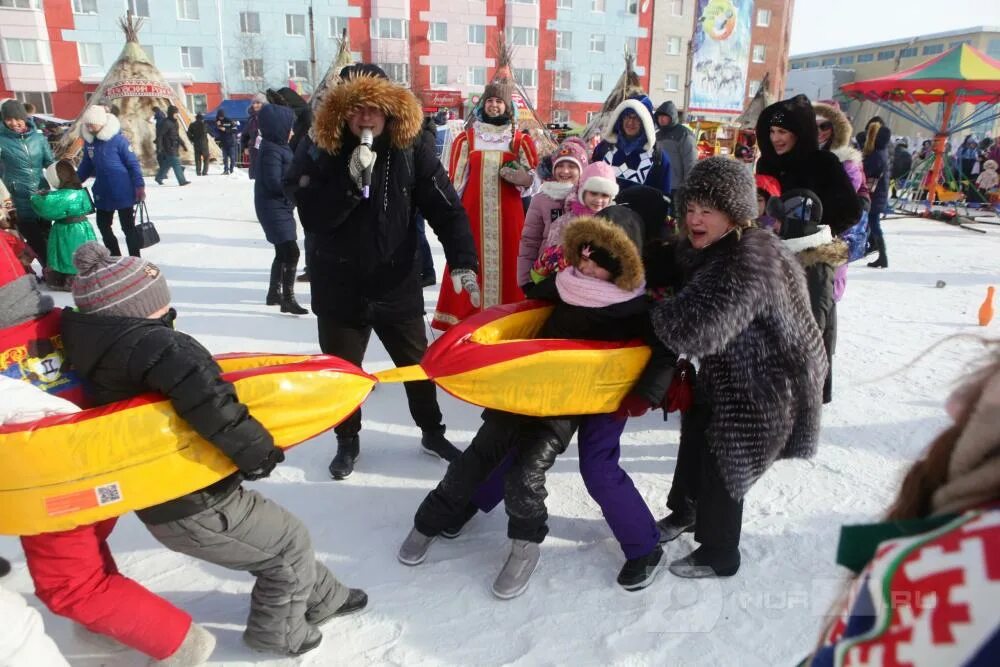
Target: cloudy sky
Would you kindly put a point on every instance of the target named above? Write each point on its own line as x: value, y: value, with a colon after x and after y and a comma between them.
x: 818, y: 25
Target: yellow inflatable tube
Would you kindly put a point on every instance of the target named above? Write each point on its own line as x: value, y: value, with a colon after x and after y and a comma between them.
x: 63, y: 472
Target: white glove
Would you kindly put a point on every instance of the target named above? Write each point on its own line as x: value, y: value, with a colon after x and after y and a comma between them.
x: 465, y: 279
x: 362, y: 158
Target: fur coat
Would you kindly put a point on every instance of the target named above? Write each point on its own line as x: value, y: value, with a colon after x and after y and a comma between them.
x: 744, y: 312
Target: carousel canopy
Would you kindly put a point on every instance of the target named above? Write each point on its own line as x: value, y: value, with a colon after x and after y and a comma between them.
x: 968, y: 74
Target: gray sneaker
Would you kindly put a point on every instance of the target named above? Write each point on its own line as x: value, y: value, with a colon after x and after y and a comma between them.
x: 516, y: 573
x: 414, y: 548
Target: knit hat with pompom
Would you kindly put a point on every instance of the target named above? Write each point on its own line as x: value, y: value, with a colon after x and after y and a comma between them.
x: 117, y: 286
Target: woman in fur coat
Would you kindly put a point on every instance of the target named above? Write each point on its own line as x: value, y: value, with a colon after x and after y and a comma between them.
x: 743, y: 311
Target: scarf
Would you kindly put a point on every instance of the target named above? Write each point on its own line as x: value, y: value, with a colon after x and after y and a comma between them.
x: 557, y: 190
x: 577, y: 289
x: 495, y: 120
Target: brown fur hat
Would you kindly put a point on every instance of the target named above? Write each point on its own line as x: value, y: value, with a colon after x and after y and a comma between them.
x: 614, y: 240
x: 404, y: 116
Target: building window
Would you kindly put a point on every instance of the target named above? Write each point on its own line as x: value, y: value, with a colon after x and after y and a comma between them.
x: 597, y: 5
x: 632, y: 7
x: 845, y: 60
x: 676, y: 7
x: 298, y: 69
x: 753, y: 87
x: 295, y: 25
x: 564, y: 40
x: 439, y: 75
x: 562, y: 80
x: 763, y: 18
x: 196, y: 103
x: 759, y: 53
x: 591, y: 115
x: 866, y: 57
x: 564, y: 4
x: 139, y: 7
x: 477, y: 34
x: 632, y: 45
x: 827, y: 62
x: 933, y: 49
x: 90, y: 54
x: 338, y: 24
x: 560, y: 116
x: 796, y: 65
x: 518, y: 36
x: 671, y: 82
x: 437, y: 32
x: 42, y: 101
x: 25, y: 51
x: 398, y: 72
x: 527, y: 77
x: 391, y: 29
x: 887, y: 55
x: 596, y: 82
x: 673, y: 46
x: 524, y: 2
x: 250, y: 23
x: 597, y: 43
x: 187, y: 10
x: 84, y: 6
x: 993, y: 48
x: 812, y: 63
x: 908, y: 52
x: 477, y: 76
x: 191, y: 57
x: 253, y: 68
x: 20, y: 4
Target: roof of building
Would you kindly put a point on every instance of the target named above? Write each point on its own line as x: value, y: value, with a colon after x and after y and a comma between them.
x: 902, y: 41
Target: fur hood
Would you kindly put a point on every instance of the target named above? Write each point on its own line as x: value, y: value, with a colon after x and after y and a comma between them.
x: 404, y: 116
x: 818, y: 248
x: 848, y: 154
x: 611, y: 136
x: 611, y: 237
x: 842, y: 129
x: 112, y: 127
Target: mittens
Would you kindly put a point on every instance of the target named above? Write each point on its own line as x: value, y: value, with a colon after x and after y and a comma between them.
x: 549, y: 262
x: 274, y: 457
x: 362, y: 158
x: 465, y: 280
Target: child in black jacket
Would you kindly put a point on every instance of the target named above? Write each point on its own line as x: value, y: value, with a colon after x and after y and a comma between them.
x: 122, y: 342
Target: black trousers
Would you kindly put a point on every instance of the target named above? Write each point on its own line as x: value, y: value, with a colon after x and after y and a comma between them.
x: 201, y: 160
x: 698, y: 491
x: 405, y: 342
x: 126, y: 217
x: 35, y: 232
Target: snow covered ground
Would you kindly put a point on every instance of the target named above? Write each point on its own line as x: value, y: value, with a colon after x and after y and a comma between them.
x: 889, y: 388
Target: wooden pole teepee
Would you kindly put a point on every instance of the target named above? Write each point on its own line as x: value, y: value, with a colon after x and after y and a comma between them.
x: 332, y: 76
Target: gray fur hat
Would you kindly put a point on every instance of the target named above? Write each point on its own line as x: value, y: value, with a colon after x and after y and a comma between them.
x: 723, y: 184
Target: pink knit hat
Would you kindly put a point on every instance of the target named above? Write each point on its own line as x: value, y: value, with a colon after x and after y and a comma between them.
x: 599, y: 177
x: 571, y: 150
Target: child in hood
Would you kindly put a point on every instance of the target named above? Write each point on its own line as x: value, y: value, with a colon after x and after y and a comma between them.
x: 988, y: 180
x: 568, y: 162
x: 67, y: 205
x: 767, y: 188
x: 123, y: 342
x: 599, y: 296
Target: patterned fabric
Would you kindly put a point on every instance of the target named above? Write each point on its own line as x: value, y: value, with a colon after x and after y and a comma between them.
x: 633, y: 168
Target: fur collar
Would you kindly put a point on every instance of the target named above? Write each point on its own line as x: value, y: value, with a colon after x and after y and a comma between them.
x: 112, y: 127
x: 403, y: 111
x: 556, y: 190
x: 610, y: 237
x: 847, y: 154
x: 842, y: 129
x: 818, y: 248
x: 647, y: 123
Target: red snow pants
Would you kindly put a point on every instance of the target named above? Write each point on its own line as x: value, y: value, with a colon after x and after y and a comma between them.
x: 75, y: 576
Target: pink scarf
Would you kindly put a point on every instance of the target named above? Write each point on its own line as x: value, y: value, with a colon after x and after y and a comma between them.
x: 577, y: 289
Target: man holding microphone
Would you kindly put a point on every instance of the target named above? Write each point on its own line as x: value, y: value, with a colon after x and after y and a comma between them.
x: 356, y: 181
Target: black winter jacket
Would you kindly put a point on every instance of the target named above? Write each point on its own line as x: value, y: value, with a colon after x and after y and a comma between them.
x: 364, y: 266
x: 198, y: 135
x: 168, y: 138
x: 122, y: 357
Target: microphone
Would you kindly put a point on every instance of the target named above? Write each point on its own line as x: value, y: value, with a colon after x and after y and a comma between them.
x: 366, y: 175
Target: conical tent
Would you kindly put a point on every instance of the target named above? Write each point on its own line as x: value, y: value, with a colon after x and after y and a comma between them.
x: 133, y: 86
x: 628, y: 84
x: 332, y: 76
x: 761, y: 100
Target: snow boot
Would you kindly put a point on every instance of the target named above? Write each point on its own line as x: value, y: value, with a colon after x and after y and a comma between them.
x: 673, y: 525
x: 435, y: 444
x: 356, y: 600
x: 637, y: 573
x: 882, y: 261
x: 288, y: 302
x: 516, y: 573
x: 197, y: 646
x: 274, y: 289
x: 707, y: 562
x: 413, y: 551
x: 348, y: 451
x: 4, y: 567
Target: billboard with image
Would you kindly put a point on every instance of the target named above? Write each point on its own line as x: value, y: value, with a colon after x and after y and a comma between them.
x: 721, y: 55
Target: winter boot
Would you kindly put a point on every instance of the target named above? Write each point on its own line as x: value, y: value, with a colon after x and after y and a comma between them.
x: 707, y: 562
x: 288, y: 302
x: 274, y: 289
x: 637, y: 573
x: 348, y: 451
x: 516, y: 573
x: 356, y: 600
x: 413, y: 551
x: 4, y: 567
x: 304, y: 277
x: 673, y: 525
x: 197, y: 646
x: 435, y: 444
x: 311, y: 641
x: 882, y: 261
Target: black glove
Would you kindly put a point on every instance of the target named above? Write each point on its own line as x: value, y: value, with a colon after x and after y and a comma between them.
x: 274, y: 457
